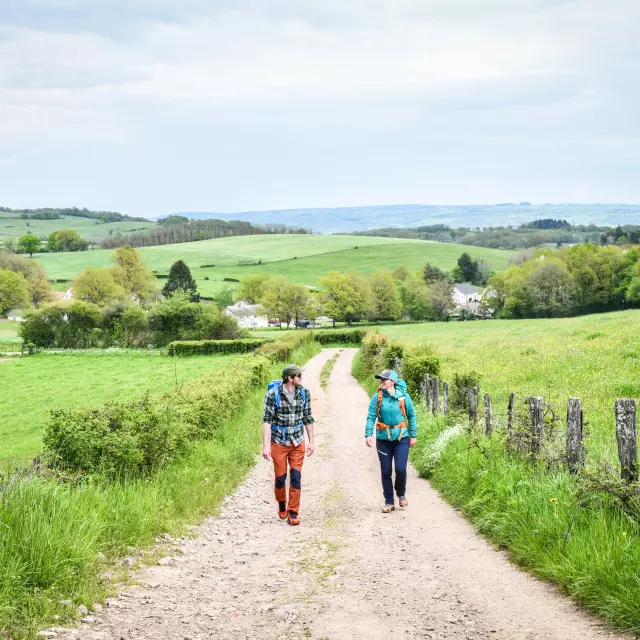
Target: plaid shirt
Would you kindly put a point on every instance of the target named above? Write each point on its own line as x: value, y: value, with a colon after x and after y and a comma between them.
x: 292, y: 417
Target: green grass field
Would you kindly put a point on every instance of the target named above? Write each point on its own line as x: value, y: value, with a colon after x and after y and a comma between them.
x: 33, y: 385
x: 299, y: 258
x: 12, y: 225
x: 9, y: 332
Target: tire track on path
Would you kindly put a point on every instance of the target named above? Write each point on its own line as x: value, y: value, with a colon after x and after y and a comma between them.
x: 349, y: 571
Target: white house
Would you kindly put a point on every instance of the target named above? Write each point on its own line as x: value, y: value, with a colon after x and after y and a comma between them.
x: 466, y: 296
x: 247, y: 315
x: 64, y: 295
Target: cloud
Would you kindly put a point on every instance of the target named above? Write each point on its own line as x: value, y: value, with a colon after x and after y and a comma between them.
x: 68, y: 78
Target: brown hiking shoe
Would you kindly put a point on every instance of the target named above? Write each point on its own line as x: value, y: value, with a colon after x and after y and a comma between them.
x: 292, y: 517
x: 388, y: 508
x: 403, y: 502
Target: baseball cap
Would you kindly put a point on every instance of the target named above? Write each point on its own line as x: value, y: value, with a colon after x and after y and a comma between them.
x: 291, y: 370
x: 388, y: 374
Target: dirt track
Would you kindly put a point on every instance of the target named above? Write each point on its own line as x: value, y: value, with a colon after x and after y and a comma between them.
x: 348, y: 571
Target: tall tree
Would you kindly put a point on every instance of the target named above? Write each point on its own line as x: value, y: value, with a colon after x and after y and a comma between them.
x: 38, y: 286
x: 385, y: 301
x: 345, y: 296
x: 180, y: 278
x: 9, y: 243
x: 466, y: 269
x: 415, y: 300
x: 274, y: 300
x: 251, y: 287
x: 96, y: 286
x: 431, y: 273
x: 441, y: 299
x: 13, y: 291
x: 66, y: 240
x: 29, y: 243
x: 131, y: 273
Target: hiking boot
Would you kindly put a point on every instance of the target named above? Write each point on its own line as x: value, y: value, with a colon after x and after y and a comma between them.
x: 282, y: 510
x: 282, y: 515
x: 292, y: 518
x: 403, y: 502
x: 388, y: 508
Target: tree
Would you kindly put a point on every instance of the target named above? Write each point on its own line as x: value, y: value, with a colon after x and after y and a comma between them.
x: 9, y: 243
x: 252, y: 287
x: 29, y: 243
x: 415, y: 300
x: 400, y: 273
x: 38, y: 286
x: 549, y: 290
x: 440, y: 297
x: 173, y: 219
x: 96, y: 286
x: 13, y: 291
x: 180, y: 278
x: 431, y: 274
x: 273, y: 300
x: 224, y: 297
x: 132, y: 274
x: 466, y: 269
x: 66, y: 240
x: 385, y: 301
x: 345, y: 296
x: 297, y: 303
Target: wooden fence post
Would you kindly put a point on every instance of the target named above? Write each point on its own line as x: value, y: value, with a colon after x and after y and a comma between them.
x: 473, y: 406
x: 627, y: 438
x: 536, y: 423
x: 512, y: 398
x: 435, y: 394
x: 488, y: 416
x: 445, y: 398
x: 427, y: 391
x: 575, y: 452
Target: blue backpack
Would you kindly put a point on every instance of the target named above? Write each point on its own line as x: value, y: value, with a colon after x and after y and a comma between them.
x: 277, y: 385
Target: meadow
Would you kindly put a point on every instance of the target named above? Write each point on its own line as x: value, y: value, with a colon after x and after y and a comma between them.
x: 8, y: 332
x: 32, y: 386
x: 12, y: 224
x: 302, y: 259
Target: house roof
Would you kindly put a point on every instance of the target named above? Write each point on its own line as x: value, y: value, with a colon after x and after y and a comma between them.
x: 242, y: 309
x: 467, y: 288
x: 59, y: 294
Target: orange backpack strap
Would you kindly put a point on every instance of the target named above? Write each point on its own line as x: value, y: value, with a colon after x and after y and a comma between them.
x: 403, y: 408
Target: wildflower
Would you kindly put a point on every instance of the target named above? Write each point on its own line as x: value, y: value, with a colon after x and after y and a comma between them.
x: 624, y: 533
x: 552, y: 500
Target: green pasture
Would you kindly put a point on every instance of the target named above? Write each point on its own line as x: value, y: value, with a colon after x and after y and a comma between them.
x: 302, y: 259
x: 12, y: 225
x: 33, y: 385
x: 9, y: 332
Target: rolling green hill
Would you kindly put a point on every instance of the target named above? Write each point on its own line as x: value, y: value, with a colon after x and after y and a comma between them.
x: 12, y: 225
x: 299, y: 258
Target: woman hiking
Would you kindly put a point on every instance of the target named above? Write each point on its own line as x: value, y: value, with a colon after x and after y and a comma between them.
x: 393, y: 417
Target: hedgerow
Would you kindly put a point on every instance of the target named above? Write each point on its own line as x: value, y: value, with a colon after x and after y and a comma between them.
x: 209, y: 347
x: 352, y: 336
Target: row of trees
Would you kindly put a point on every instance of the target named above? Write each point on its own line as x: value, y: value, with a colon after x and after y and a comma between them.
x: 49, y: 213
x: 582, y: 279
x: 61, y: 240
x: 23, y: 283
x: 177, y: 229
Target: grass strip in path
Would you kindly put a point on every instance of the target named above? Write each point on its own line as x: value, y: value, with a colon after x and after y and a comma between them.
x: 327, y: 368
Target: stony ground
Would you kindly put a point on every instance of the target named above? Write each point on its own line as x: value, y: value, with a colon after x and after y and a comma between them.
x: 349, y: 571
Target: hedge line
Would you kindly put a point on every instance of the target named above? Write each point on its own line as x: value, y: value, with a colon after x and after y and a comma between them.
x: 209, y: 347
x: 349, y: 336
x: 124, y: 439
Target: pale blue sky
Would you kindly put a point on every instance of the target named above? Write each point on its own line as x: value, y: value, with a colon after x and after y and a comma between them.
x: 153, y: 106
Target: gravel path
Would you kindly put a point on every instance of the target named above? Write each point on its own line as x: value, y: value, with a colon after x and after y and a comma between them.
x: 349, y: 571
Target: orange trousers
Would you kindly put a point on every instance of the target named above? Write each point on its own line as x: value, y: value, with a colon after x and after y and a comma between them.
x: 294, y: 457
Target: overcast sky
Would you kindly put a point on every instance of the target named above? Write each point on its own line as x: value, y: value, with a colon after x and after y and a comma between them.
x: 153, y: 106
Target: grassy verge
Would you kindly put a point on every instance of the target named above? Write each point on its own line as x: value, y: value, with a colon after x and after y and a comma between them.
x: 327, y: 368
x: 56, y: 539
x: 546, y: 520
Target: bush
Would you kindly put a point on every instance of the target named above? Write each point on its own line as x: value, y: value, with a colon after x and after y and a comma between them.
x: 209, y: 347
x: 279, y: 352
x: 373, y: 347
x: 136, y: 438
x: 419, y: 361
x: 460, y: 386
x: 353, y: 336
x: 393, y: 351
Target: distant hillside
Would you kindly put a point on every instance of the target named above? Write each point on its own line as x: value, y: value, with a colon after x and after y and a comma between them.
x: 350, y: 219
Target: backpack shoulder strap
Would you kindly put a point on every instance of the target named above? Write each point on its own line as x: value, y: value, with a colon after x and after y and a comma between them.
x: 379, y: 402
x: 403, y: 406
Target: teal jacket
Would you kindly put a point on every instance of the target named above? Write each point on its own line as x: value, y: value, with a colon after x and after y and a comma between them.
x: 391, y: 414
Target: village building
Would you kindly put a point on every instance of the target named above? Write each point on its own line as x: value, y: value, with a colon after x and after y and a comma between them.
x: 247, y: 315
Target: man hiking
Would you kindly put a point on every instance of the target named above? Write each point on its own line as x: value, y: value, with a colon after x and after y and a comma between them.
x: 287, y: 412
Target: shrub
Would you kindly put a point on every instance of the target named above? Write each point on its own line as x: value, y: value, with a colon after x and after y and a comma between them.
x: 393, y: 351
x: 279, y: 352
x: 209, y: 347
x: 136, y: 438
x: 458, y: 395
x: 373, y: 347
x: 353, y: 336
x: 419, y: 361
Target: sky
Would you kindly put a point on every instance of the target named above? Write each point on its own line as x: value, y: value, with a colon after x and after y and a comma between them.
x: 153, y: 106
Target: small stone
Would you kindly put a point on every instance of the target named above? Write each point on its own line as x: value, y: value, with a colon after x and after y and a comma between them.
x: 127, y: 562
x: 163, y: 562
x: 88, y: 619
x: 97, y: 607
x: 82, y: 610
x: 47, y: 634
x: 282, y: 614
x: 101, y: 557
